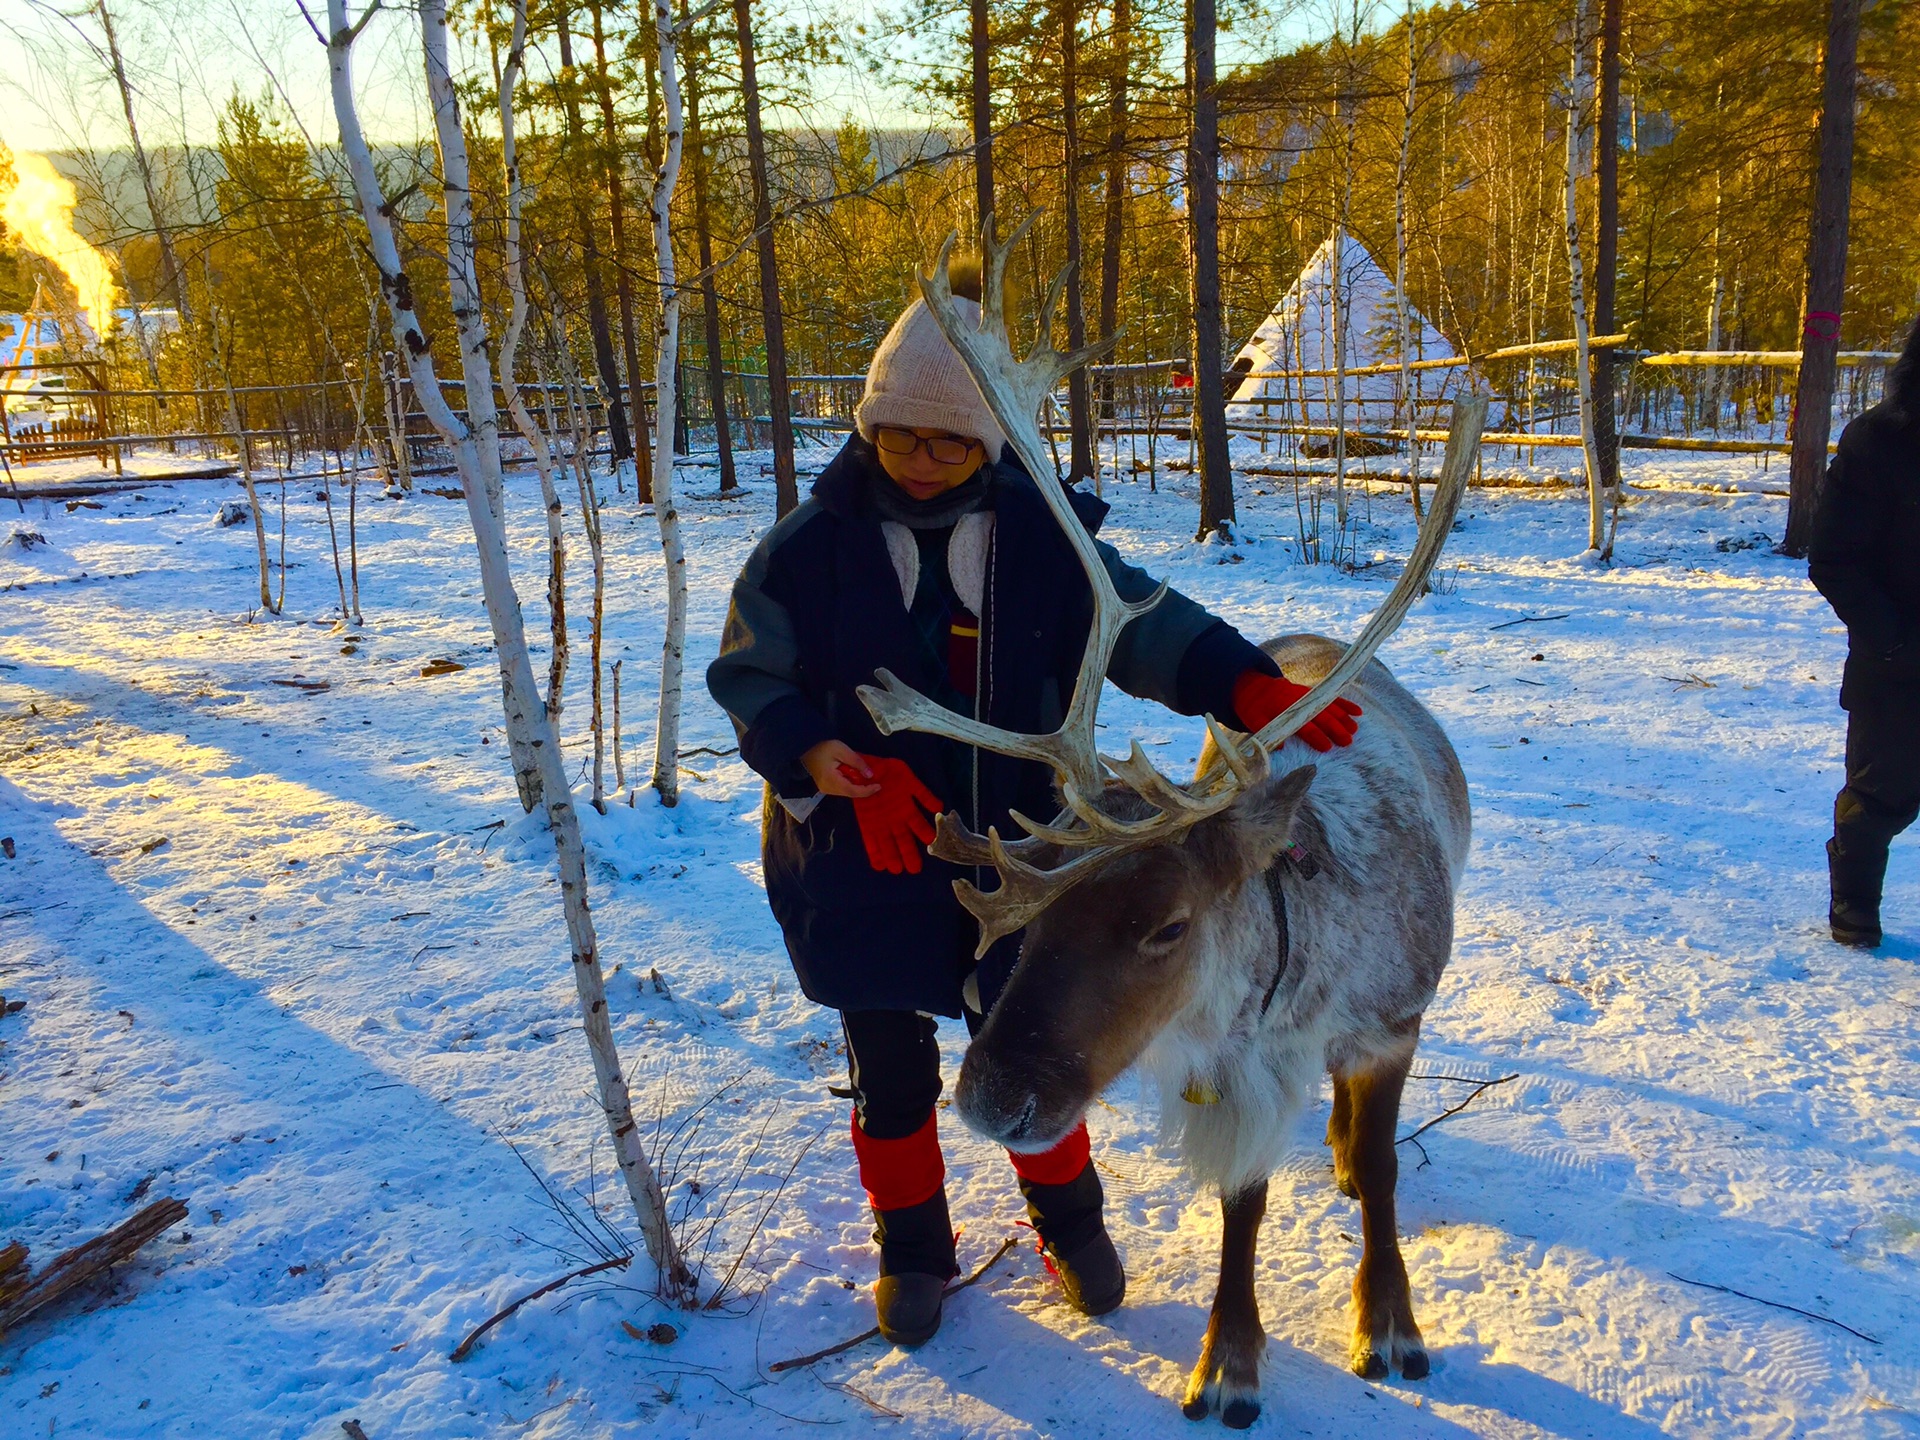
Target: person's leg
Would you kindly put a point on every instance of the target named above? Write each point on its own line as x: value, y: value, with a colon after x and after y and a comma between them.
x: 893, y: 1066
x: 1067, y: 1207
x: 1880, y: 799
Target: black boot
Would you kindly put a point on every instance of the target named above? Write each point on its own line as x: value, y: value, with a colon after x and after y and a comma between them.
x: 1073, y: 1236
x: 1854, y: 883
x: 916, y: 1261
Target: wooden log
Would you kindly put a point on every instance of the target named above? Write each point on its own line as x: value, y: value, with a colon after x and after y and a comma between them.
x: 80, y: 1264
x: 1784, y: 359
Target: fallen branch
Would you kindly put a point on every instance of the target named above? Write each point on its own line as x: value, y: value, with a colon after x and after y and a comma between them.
x: 1479, y: 1089
x: 82, y: 1263
x: 1530, y: 620
x: 465, y: 1347
x: 827, y: 1354
x: 1777, y: 1305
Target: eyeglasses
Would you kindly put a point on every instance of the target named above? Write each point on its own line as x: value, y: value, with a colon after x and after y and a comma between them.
x: 942, y: 449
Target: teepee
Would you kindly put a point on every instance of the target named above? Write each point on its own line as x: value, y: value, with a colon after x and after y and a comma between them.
x: 1342, y: 286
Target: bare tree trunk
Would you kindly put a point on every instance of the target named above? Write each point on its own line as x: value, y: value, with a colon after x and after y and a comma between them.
x: 1209, y: 426
x: 666, y: 753
x: 1826, y: 274
x: 1079, y: 397
x: 1404, y: 312
x: 1578, y: 95
x: 1116, y: 197
x: 1717, y: 295
x: 171, y: 275
x: 1606, y: 248
x: 245, y: 446
x: 509, y: 383
x: 622, y: 272
x: 599, y: 327
x: 503, y: 608
x: 709, y: 293
x: 397, y: 424
x: 469, y: 318
x: 772, y: 320
x: 982, y: 112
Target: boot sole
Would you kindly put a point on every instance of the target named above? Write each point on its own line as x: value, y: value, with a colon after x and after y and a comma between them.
x: 910, y: 1340
x: 1857, y: 939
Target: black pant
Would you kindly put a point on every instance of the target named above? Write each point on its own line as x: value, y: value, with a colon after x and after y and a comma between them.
x: 893, y: 1066
x: 1882, y: 794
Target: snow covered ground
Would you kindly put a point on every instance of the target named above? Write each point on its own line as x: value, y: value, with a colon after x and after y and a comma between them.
x: 280, y: 959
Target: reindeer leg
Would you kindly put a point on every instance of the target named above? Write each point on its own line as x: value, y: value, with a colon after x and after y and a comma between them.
x: 1227, y: 1379
x: 1339, y: 1127
x: 1383, y: 1326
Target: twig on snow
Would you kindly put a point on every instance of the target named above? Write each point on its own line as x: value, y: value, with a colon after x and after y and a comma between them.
x: 465, y: 1347
x: 1778, y: 1305
x: 1530, y: 620
x: 1480, y: 1087
x: 803, y: 1360
x: 70, y: 1268
x: 354, y: 1432
x: 727, y: 1281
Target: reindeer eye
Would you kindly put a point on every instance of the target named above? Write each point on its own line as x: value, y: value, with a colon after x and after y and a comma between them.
x: 1167, y: 934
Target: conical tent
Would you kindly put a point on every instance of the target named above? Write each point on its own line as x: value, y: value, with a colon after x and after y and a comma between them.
x: 1300, y: 336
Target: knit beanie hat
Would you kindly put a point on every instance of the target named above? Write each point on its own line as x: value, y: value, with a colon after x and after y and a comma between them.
x: 918, y: 381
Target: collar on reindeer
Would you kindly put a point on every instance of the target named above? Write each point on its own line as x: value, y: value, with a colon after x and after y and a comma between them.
x: 1199, y: 1091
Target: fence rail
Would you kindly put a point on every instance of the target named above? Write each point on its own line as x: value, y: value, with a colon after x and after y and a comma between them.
x: 1734, y: 402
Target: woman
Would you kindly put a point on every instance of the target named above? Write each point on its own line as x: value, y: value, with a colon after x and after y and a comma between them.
x: 927, y: 550
x: 1865, y: 558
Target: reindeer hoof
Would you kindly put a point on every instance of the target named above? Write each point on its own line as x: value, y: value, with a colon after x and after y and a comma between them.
x: 1226, y: 1382
x: 1345, y: 1184
x: 1380, y: 1356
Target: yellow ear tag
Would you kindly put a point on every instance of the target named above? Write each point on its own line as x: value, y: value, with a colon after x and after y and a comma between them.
x: 1199, y: 1092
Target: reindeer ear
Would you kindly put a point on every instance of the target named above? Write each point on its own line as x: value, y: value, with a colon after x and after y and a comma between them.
x: 1263, y: 817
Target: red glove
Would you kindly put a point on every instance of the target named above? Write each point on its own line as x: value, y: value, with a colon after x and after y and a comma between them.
x: 890, y: 819
x: 1258, y: 698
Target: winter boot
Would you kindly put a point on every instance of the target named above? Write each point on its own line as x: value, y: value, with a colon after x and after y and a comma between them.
x: 916, y: 1261
x: 1066, y: 1205
x: 905, y: 1183
x: 1854, y: 883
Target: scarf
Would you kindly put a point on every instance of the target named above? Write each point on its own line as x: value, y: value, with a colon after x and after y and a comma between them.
x: 939, y: 513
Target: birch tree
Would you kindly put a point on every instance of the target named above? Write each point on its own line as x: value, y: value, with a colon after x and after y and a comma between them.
x: 535, y: 437
x: 666, y: 742
x: 1402, y: 310
x: 1579, y: 93
x: 477, y: 458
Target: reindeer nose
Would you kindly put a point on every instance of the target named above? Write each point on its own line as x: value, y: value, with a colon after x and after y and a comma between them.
x: 994, y: 1104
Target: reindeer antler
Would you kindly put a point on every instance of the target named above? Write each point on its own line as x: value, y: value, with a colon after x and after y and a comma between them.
x: 1014, y: 390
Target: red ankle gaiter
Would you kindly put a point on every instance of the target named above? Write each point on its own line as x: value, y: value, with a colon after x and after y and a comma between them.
x: 1058, y: 1166
x: 899, y: 1173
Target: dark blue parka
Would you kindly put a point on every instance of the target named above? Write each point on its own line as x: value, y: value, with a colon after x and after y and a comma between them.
x: 817, y: 611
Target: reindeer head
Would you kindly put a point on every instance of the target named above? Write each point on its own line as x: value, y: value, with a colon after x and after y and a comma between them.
x: 1117, y: 894
x: 1107, y: 965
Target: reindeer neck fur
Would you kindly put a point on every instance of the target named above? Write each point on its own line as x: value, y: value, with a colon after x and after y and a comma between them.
x: 1386, y: 817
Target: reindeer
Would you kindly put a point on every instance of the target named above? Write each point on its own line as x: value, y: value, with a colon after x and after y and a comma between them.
x: 1235, y: 935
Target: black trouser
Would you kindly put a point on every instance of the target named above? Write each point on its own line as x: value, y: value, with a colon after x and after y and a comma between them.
x: 893, y: 1067
x: 1881, y: 797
